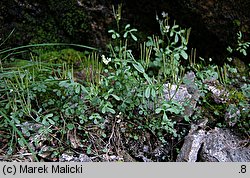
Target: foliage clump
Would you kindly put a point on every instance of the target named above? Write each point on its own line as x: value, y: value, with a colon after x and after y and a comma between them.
x: 102, y: 103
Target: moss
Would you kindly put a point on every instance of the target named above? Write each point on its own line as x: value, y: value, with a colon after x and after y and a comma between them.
x: 69, y: 56
x: 236, y: 106
x: 236, y: 96
x: 240, y: 66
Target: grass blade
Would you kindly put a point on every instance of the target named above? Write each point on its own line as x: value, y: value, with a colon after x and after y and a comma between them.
x: 20, y: 134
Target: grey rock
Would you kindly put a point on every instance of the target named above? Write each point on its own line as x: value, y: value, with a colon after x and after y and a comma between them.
x: 221, y: 145
x: 216, y: 145
x: 192, y: 143
x: 72, y: 158
x: 219, y: 92
x: 185, y: 94
x: 177, y: 93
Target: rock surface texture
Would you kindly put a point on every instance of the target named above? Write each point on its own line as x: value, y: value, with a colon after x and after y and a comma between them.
x: 216, y: 145
x: 185, y: 94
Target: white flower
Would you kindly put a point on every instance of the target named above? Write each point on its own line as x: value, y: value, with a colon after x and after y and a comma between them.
x: 167, y: 28
x: 105, y: 60
x: 164, y: 14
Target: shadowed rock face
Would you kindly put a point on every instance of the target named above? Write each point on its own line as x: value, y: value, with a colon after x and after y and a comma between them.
x: 214, y: 22
x: 43, y: 21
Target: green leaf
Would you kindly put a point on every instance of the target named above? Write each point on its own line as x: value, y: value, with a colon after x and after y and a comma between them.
x: 111, y: 31
x: 158, y: 110
x: 136, y: 137
x: 134, y: 37
x: 44, y: 122
x: 175, y: 26
x: 113, y: 36
x: 186, y: 118
x: 21, y: 142
x: 77, y: 89
x: 96, y: 121
x: 165, y: 117
x: 58, y: 93
x: 173, y: 110
x: 111, y: 110
x: 125, y: 35
x: 116, y: 97
x: 106, y: 96
x: 64, y: 84
x: 244, y: 52
x: 110, y: 90
x: 229, y: 49
x: 89, y: 150
x: 127, y: 26
x: 84, y: 89
x: 165, y: 105
x: 51, y: 121
x: 104, y: 135
x: 56, y: 118
x: 147, y: 78
x: 104, y: 109
x: 153, y: 93
x: 47, y: 116
x: 184, y: 54
x: 133, y: 30
x: 70, y: 126
x: 147, y: 92
x: 139, y: 67
x: 176, y: 38
x: 171, y: 33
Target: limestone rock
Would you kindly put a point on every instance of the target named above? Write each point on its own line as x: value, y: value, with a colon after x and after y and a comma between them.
x: 219, y: 92
x: 192, y: 145
x: 216, y: 145
x: 193, y: 142
x: 72, y: 158
x: 185, y: 94
x: 221, y: 145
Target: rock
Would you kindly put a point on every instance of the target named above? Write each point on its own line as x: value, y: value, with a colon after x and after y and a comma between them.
x: 127, y: 157
x: 143, y: 158
x: 221, y: 145
x: 72, y: 158
x: 185, y: 94
x: 192, y: 143
x: 219, y: 92
x: 177, y: 93
x: 29, y: 126
x: 216, y: 145
x: 113, y: 157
